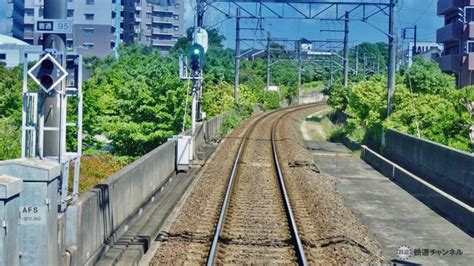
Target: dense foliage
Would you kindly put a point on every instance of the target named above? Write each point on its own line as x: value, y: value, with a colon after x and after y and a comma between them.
x: 10, y: 112
x: 425, y: 105
x: 137, y: 101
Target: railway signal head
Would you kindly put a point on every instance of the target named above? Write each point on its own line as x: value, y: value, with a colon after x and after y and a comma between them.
x: 196, y: 54
x: 47, y: 73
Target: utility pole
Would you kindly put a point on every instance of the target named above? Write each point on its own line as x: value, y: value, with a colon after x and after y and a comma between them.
x: 392, y: 56
x: 118, y: 9
x: 298, y: 49
x: 415, y: 37
x: 346, y: 49
x: 237, y: 54
x: 197, y: 75
x: 268, y: 60
x: 365, y: 65
x: 357, y: 60
x: 331, y: 68
x: 55, y: 118
x: 378, y: 62
x: 412, y: 49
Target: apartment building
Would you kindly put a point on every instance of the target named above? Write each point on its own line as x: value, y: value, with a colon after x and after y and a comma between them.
x: 94, y: 27
x: 158, y: 24
x: 457, y: 36
x: 24, y: 13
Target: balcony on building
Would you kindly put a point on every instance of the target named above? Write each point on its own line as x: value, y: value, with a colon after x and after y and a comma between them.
x: 161, y: 9
x: 450, y: 63
x: 138, y: 18
x: 167, y: 32
x: 162, y: 20
x: 162, y: 43
x: 450, y: 33
x: 448, y: 6
x: 138, y: 7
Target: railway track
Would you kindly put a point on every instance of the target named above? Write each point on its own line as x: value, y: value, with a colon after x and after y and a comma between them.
x: 256, y: 222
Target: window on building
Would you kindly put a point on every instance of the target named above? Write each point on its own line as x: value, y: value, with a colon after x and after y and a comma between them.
x: 131, y: 15
x: 148, y: 26
x: 89, y: 16
x: 176, y: 5
x: 88, y: 46
x: 470, y: 47
x: 69, y: 44
x: 148, y: 38
x: 176, y: 17
x: 176, y: 28
x: 88, y: 31
x: 90, y: 2
x: 148, y: 15
x: 41, y: 12
x: 469, y: 14
x: 3, y: 56
x: 30, y: 12
x: 70, y: 13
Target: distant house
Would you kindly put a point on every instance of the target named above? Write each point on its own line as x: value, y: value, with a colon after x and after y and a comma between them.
x: 427, y: 50
x: 431, y: 54
x: 306, y: 45
x: 12, y: 51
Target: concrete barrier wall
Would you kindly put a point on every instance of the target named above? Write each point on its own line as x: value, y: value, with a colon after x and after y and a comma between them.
x: 213, y: 128
x: 98, y: 217
x: 450, y: 170
x: 312, y: 98
x: 456, y: 211
x: 101, y: 215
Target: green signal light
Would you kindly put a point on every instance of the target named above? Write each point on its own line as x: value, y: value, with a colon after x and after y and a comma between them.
x: 196, y: 51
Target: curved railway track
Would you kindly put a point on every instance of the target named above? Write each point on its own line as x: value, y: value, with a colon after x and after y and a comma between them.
x: 256, y: 222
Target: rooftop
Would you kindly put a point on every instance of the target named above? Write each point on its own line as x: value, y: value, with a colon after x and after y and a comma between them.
x: 5, y: 39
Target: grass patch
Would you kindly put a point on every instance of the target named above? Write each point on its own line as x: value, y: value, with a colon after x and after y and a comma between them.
x: 97, y: 168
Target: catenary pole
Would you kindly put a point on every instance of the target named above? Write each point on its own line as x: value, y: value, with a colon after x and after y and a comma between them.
x: 346, y: 49
x: 237, y: 54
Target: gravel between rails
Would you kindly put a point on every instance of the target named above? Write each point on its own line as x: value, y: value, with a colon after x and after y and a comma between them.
x: 329, y: 231
x: 190, y: 235
x: 256, y: 228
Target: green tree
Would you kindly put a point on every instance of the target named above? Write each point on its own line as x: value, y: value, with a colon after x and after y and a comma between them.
x: 137, y: 101
x: 426, y: 77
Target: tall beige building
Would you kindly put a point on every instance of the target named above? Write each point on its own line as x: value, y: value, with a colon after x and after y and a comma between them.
x: 157, y: 24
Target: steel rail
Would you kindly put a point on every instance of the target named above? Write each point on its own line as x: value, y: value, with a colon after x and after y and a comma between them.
x: 294, y: 232
x: 217, y: 233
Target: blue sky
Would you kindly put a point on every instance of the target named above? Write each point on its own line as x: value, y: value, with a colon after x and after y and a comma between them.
x: 411, y: 12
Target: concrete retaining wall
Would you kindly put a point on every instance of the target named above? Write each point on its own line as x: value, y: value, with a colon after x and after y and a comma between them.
x: 456, y: 211
x: 100, y: 215
x: 450, y: 170
x: 213, y: 128
x: 312, y: 98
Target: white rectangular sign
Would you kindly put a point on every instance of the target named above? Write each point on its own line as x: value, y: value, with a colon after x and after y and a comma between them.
x: 53, y: 26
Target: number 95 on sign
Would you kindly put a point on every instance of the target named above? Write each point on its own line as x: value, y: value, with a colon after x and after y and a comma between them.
x: 53, y: 26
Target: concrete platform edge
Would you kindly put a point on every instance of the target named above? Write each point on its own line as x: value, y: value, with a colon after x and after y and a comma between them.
x: 454, y: 210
